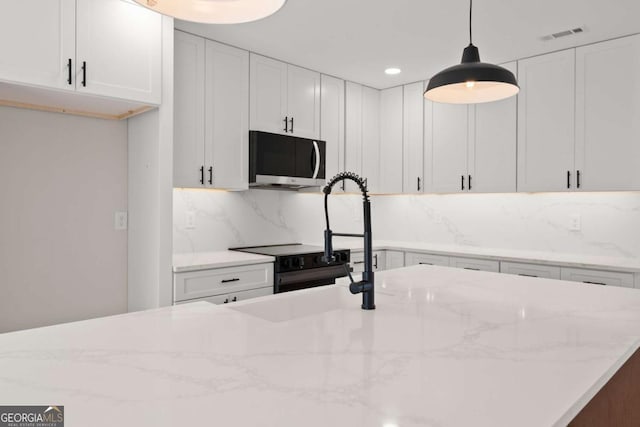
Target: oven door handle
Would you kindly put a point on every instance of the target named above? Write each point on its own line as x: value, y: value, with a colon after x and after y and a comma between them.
x: 317, y: 159
x: 320, y: 273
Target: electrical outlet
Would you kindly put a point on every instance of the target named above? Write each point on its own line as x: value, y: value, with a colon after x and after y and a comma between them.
x: 190, y: 222
x: 575, y: 223
x: 120, y: 221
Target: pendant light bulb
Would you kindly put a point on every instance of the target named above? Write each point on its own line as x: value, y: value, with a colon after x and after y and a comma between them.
x: 471, y: 81
x: 215, y: 11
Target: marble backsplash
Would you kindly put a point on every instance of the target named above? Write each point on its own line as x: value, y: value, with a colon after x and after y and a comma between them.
x: 610, y: 222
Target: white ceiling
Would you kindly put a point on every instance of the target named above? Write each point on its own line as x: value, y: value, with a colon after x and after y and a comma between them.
x: 357, y: 39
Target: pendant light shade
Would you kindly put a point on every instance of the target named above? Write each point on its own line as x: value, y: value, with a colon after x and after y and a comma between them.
x: 215, y: 11
x: 471, y: 81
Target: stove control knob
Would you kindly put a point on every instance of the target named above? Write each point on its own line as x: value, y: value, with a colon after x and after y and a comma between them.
x: 285, y: 263
x: 297, y: 262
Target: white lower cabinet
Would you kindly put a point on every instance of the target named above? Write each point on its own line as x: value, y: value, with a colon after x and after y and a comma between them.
x: 219, y: 282
x: 598, y: 277
x: 394, y: 259
x: 530, y: 270
x: 475, y: 264
x: 357, y: 261
x: 416, y: 258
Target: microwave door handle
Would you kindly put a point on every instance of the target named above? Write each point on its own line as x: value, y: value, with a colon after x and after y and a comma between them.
x: 316, y: 168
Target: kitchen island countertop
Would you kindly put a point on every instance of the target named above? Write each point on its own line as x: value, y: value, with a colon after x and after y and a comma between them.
x: 445, y: 347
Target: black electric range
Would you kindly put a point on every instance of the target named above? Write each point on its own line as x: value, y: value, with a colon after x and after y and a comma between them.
x: 299, y: 266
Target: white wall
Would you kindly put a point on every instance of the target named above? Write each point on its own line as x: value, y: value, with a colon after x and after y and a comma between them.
x: 524, y: 221
x: 62, y: 178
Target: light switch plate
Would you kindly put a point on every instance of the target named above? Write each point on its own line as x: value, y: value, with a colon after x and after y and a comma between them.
x: 120, y: 221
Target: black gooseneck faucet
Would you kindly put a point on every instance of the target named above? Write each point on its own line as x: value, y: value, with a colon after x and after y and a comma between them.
x: 366, y: 285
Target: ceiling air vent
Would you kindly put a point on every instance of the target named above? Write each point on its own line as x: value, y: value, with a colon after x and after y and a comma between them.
x: 564, y: 33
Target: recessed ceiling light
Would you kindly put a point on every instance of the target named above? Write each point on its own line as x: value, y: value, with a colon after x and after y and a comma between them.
x: 393, y: 71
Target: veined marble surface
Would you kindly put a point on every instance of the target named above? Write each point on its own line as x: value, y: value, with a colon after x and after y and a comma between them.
x: 217, y: 259
x: 445, y: 347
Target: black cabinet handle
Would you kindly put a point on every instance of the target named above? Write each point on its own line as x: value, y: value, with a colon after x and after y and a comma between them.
x: 291, y: 121
x: 568, y: 179
x: 578, y: 179
x: 226, y: 301
x: 202, y: 175
x: 469, y: 182
x: 286, y: 124
x: 69, y: 80
x: 526, y: 275
x: 470, y: 268
x: 425, y: 263
x: 230, y: 280
x: 84, y: 73
x: 358, y: 262
x: 462, y: 186
x: 375, y: 263
x: 211, y: 175
x: 594, y: 283
x: 418, y: 183
x: 234, y: 299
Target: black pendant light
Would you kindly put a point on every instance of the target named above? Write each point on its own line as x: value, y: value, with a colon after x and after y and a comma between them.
x: 472, y: 81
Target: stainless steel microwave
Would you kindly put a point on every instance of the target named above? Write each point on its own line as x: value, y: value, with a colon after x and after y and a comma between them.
x: 288, y: 162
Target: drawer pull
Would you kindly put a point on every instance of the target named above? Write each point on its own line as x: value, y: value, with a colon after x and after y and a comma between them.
x: 526, y: 275
x: 226, y: 301
x: 594, y: 283
x: 425, y: 263
x: 234, y: 299
x: 230, y: 280
x: 358, y: 262
x: 470, y: 268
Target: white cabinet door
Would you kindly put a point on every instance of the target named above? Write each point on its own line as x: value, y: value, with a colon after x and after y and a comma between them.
x: 227, y: 117
x: 391, y: 130
x: 394, y: 259
x: 608, y: 115
x: 416, y: 258
x: 268, y: 89
x: 254, y: 293
x: 332, y: 124
x: 37, y: 41
x: 303, y: 102
x: 546, y: 106
x: 378, y: 258
x: 353, y: 133
x: 449, y: 148
x: 413, y: 138
x: 492, y: 151
x: 189, y: 111
x: 427, y: 159
x: 119, y: 50
x: 597, y: 277
x: 530, y: 270
x: 371, y: 138
x: 475, y: 264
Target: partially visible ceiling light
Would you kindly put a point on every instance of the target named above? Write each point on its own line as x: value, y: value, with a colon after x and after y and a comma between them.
x: 393, y: 71
x: 472, y: 81
x: 215, y: 11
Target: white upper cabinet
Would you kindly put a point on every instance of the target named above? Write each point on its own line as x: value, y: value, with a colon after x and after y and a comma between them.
x: 391, y: 130
x: 37, y: 41
x: 189, y: 111
x: 546, y: 108
x: 119, y: 50
x: 353, y: 132
x: 109, y: 48
x: 492, y: 151
x: 211, y: 114
x: 448, y: 150
x: 303, y: 102
x: 268, y: 91
x: 371, y: 138
x: 413, y: 137
x: 284, y: 99
x: 227, y: 116
x: 332, y: 125
x: 608, y: 115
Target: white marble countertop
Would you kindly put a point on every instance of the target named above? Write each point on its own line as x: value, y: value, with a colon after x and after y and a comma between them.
x: 445, y: 347
x: 536, y: 257
x: 219, y: 259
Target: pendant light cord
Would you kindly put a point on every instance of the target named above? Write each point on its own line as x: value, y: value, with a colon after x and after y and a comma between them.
x: 470, y: 10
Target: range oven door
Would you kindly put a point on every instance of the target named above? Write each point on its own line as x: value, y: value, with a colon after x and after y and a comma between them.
x: 311, y: 278
x: 280, y: 160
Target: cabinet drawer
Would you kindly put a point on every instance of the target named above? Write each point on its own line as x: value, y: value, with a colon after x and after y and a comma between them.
x: 531, y: 270
x: 206, y: 283
x: 475, y: 264
x: 234, y: 297
x: 598, y: 277
x: 414, y: 258
x: 394, y: 259
x: 357, y: 261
